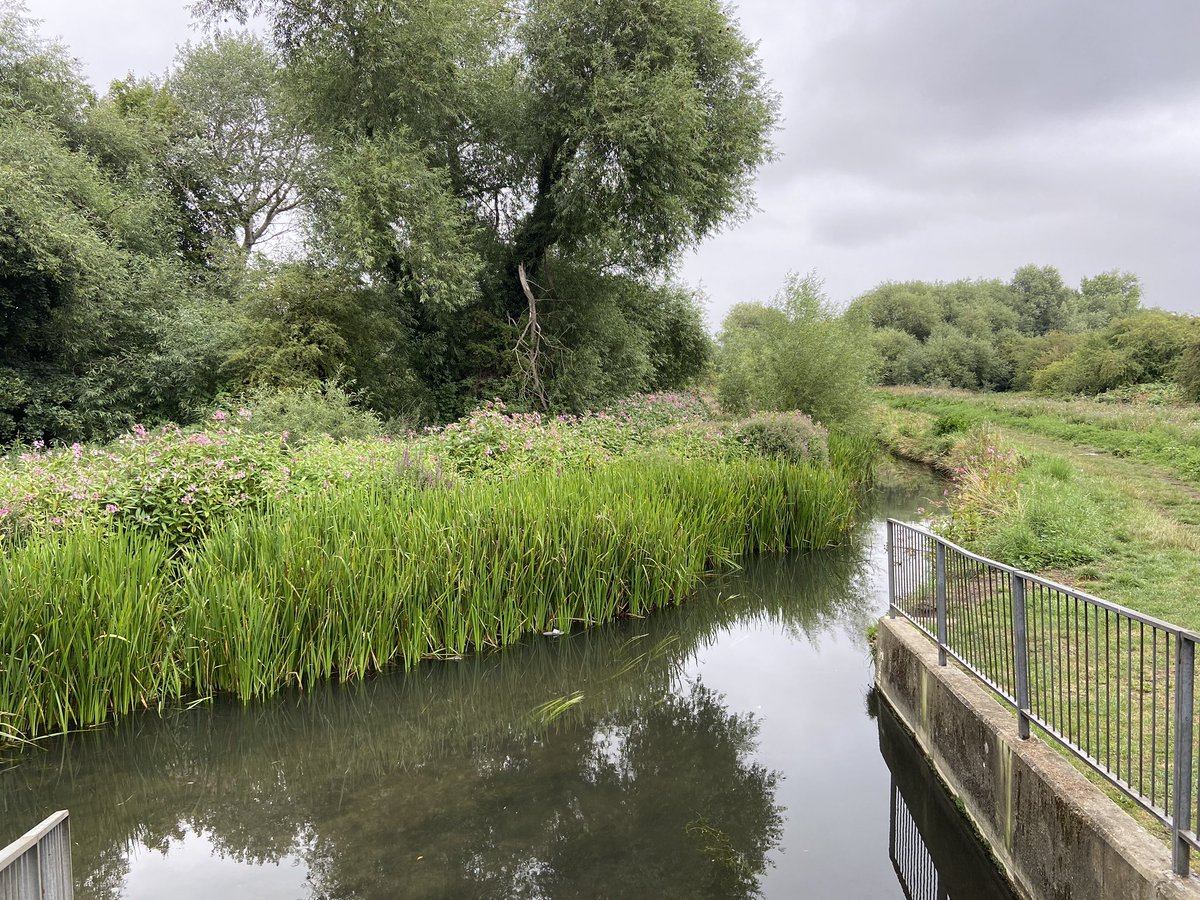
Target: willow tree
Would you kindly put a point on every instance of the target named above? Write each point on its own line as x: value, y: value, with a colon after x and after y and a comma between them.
x: 473, y: 141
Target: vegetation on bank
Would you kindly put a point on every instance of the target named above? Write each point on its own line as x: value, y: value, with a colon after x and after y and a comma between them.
x: 1033, y: 491
x: 175, y: 564
x: 1152, y: 424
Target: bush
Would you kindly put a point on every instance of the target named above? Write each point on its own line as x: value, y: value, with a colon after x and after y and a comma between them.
x: 171, y: 483
x: 1147, y: 347
x: 303, y: 415
x: 795, y: 354
x: 1187, y: 374
x: 792, y: 437
x: 950, y: 423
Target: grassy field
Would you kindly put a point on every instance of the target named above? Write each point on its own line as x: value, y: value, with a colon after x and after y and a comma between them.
x: 1103, y: 499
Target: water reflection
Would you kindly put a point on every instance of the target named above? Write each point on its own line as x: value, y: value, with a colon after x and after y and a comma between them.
x: 931, y: 846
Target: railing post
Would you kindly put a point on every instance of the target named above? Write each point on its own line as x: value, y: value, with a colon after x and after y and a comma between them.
x: 1020, y: 654
x: 940, y: 595
x: 891, y: 564
x: 1185, y: 665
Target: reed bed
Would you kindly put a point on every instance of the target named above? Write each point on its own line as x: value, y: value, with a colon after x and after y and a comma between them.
x: 379, y: 573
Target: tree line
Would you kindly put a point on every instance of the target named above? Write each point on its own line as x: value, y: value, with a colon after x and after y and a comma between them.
x: 462, y: 199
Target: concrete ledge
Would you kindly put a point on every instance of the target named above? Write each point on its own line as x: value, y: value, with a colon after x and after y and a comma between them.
x: 1057, y: 834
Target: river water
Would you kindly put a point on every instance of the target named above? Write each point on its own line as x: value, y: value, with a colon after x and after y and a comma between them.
x: 731, y: 747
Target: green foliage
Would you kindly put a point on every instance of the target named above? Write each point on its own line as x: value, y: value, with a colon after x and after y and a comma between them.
x: 306, y: 329
x: 792, y: 437
x: 1054, y: 526
x: 424, y: 153
x: 92, y: 299
x: 170, y: 484
x: 985, y: 485
x: 256, y: 605
x: 994, y: 336
x: 794, y: 354
x: 587, y: 143
x: 615, y: 336
x: 1148, y: 346
x: 249, y: 157
x: 1030, y: 354
x: 494, y: 442
x: 950, y: 423
x: 304, y: 415
x: 1041, y: 299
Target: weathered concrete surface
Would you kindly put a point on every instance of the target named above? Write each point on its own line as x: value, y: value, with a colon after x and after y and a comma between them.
x: 1057, y: 834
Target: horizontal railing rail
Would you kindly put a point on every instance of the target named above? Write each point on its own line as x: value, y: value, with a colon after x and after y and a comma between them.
x: 37, y: 865
x: 1114, y: 687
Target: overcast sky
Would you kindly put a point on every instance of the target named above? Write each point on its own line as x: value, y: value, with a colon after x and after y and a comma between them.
x: 933, y: 139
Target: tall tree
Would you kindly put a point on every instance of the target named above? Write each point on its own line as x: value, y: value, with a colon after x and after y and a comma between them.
x: 251, y: 159
x: 471, y: 141
x: 1042, y: 301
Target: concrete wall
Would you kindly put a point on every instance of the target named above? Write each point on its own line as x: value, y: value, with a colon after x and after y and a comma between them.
x: 1057, y: 834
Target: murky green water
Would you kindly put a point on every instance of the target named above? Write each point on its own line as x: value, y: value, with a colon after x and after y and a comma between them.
x: 728, y: 748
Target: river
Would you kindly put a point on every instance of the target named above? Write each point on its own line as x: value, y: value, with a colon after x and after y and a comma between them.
x: 731, y: 747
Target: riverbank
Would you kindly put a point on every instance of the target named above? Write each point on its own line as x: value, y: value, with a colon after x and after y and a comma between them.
x: 1099, y: 509
x: 235, y: 563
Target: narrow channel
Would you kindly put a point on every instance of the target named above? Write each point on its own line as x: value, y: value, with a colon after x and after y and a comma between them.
x: 731, y: 747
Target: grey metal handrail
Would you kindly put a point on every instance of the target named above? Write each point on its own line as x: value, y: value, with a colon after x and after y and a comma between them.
x: 37, y: 865
x: 1114, y: 687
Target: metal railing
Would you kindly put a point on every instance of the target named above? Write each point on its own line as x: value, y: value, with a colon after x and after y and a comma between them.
x: 913, y: 863
x: 37, y: 866
x: 1114, y: 687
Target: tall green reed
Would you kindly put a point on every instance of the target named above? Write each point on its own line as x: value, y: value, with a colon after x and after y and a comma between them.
x: 380, y: 573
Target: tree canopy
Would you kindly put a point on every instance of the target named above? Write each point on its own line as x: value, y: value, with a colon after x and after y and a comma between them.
x: 485, y: 198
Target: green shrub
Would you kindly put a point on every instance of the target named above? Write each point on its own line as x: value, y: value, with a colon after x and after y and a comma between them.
x: 172, y: 483
x: 951, y: 423
x: 797, y: 353
x: 305, y: 414
x: 1146, y: 347
x: 792, y: 437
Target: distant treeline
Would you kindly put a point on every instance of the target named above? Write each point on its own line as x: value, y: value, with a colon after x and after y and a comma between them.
x: 1033, y: 333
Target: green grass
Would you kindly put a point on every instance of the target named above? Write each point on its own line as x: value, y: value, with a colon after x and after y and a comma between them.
x: 1120, y: 525
x: 1163, y: 435
x: 379, y: 573
x: 1125, y: 529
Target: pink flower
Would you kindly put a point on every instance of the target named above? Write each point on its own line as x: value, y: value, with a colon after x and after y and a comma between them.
x: 244, y: 413
x: 111, y: 508
x: 219, y: 416
x: 5, y: 511
x: 139, y: 430
x: 187, y: 499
